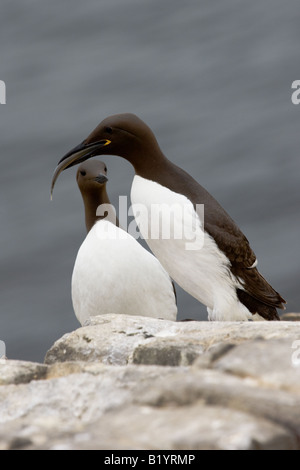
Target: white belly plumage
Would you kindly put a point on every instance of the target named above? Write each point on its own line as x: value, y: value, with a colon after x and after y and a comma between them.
x: 190, y: 255
x: 113, y: 273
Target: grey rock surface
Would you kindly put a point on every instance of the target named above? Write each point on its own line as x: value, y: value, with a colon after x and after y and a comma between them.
x: 125, y: 382
x: 121, y: 339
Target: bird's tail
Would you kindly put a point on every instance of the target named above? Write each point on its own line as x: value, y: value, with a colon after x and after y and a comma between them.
x: 258, y: 296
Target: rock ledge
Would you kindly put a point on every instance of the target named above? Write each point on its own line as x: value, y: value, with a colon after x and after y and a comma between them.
x: 126, y: 382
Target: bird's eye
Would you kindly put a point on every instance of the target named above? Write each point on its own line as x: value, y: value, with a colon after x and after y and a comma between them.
x: 83, y: 173
x: 108, y: 130
x: 105, y: 169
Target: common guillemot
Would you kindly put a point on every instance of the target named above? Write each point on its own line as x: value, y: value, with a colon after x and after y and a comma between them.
x: 113, y: 273
x: 221, y: 270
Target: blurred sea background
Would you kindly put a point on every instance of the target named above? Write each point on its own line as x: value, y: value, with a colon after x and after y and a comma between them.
x: 212, y: 80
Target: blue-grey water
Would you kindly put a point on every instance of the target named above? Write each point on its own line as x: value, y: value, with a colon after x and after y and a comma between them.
x: 213, y: 81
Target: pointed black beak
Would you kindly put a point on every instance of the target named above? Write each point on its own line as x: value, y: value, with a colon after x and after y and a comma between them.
x: 101, y: 179
x: 77, y: 155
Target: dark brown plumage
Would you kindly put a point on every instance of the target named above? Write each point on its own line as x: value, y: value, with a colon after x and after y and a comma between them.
x: 127, y: 136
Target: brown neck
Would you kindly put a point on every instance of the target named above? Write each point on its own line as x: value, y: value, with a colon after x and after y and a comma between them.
x: 92, y: 200
x: 148, y: 162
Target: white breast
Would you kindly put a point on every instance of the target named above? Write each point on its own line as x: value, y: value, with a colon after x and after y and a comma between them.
x: 193, y: 259
x: 113, y: 273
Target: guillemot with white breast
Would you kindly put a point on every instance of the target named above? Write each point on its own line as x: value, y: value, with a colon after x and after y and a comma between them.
x: 221, y: 271
x: 113, y: 273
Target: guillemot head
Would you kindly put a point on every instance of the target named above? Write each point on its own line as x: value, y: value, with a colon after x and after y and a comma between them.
x: 91, y: 179
x: 91, y: 176
x: 124, y: 135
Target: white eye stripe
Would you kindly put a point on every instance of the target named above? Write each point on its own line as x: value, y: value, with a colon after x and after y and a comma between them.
x: 253, y: 265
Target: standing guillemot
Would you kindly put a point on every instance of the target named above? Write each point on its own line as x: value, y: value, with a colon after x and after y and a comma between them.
x: 113, y: 273
x: 222, y: 272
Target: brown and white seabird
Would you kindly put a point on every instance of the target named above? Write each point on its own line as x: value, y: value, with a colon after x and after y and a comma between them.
x: 220, y: 270
x: 113, y: 273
